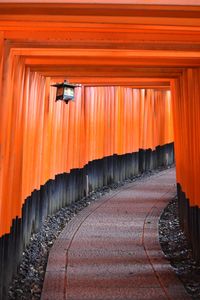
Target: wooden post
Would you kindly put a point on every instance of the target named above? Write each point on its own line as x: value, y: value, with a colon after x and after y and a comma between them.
x: 4, y: 58
x: 1, y: 112
x: 1, y: 59
x: 87, y: 185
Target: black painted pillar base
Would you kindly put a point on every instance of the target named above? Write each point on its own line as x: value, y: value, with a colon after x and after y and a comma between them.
x: 189, y: 221
x: 67, y: 188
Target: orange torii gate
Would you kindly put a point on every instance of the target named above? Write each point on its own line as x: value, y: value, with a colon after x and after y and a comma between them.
x: 124, y: 47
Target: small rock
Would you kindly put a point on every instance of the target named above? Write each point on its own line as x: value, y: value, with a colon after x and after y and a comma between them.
x: 177, y: 249
x: 27, y: 285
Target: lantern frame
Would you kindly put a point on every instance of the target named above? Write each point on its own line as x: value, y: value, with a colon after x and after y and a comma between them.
x: 65, y: 91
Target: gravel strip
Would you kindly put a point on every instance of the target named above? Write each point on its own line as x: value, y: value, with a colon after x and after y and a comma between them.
x: 178, y: 251
x: 27, y: 284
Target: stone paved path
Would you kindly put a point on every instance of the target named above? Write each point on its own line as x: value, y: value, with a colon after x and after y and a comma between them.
x: 110, y: 250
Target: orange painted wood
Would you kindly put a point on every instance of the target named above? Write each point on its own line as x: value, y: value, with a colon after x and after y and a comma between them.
x: 1, y: 60
x: 43, y: 138
x: 186, y: 104
x: 150, y: 2
x: 131, y: 45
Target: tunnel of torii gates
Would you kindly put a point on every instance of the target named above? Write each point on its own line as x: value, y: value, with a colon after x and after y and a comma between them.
x: 139, y: 70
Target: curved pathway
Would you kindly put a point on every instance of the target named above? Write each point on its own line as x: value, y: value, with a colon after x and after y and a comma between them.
x: 110, y: 250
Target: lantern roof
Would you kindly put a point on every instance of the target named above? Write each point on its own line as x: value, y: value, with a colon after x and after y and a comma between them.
x: 63, y: 84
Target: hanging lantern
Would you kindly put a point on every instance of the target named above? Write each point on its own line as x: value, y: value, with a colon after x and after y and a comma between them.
x: 65, y: 91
